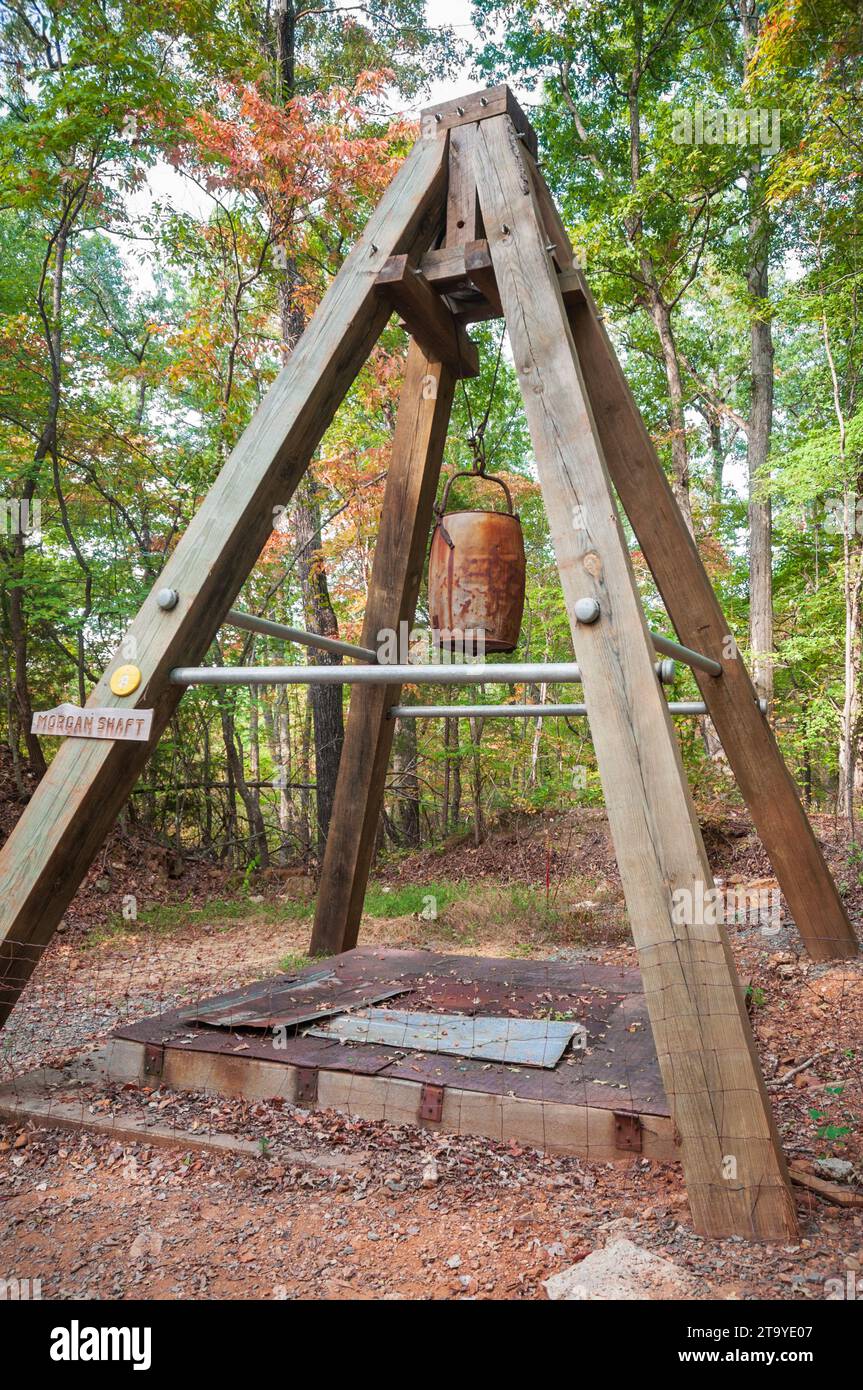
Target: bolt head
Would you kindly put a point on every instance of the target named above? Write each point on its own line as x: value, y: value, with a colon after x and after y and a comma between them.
x: 167, y: 599
x: 587, y: 610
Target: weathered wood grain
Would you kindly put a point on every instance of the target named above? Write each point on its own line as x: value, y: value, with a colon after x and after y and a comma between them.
x: 426, y: 316
x: 735, y: 1169
x: 478, y: 106
x: 406, y: 516
x: 77, y: 801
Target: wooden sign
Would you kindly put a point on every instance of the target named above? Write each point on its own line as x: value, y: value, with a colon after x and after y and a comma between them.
x: 70, y: 721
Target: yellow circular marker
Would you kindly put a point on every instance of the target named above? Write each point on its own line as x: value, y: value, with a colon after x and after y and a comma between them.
x: 125, y: 680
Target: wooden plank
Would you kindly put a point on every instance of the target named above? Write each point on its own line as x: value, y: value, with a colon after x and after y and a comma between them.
x: 478, y: 106
x: 412, y: 479
x: 735, y: 1169
x: 552, y: 221
x: 765, y: 782
x: 462, y: 209
x: 480, y: 271
x: 427, y: 318
x: 444, y: 267
x: 466, y: 276
x: 78, y: 799
x: 830, y: 1191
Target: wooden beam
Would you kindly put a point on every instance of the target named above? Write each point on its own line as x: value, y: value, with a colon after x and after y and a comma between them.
x: 558, y: 238
x: 406, y: 517
x: 478, y: 106
x: 480, y: 272
x: 462, y: 208
x: 735, y: 1170
x: 465, y: 276
x: 403, y: 286
x: 78, y: 799
x: 765, y: 782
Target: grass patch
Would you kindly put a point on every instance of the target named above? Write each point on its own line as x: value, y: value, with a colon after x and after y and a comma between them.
x: 412, y: 899
x: 294, y: 961
x: 161, y: 919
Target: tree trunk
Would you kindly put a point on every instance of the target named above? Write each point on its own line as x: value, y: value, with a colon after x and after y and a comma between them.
x: 326, y: 700
x: 407, y: 807
x: 661, y: 316
x: 476, y: 728
x: 257, y: 830
x: 761, y: 405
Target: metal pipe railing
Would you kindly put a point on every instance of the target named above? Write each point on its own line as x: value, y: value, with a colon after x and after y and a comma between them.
x: 249, y: 623
x: 467, y: 673
x: 524, y: 711
x: 502, y: 673
x: 685, y: 654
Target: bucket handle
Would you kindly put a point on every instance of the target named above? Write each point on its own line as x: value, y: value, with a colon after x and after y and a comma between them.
x: 440, y: 508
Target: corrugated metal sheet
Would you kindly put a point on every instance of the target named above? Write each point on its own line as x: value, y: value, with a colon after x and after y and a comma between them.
x: 288, y: 1006
x: 530, y: 1042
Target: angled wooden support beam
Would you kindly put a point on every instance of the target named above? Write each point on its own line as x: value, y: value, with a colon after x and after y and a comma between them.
x: 402, y: 286
x: 735, y: 1170
x: 406, y: 517
x: 77, y: 801
x: 672, y: 555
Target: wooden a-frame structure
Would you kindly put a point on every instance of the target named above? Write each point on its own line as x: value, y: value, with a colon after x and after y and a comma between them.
x: 468, y: 230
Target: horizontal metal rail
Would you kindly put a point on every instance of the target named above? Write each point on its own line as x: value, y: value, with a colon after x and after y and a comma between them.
x: 685, y: 654
x: 523, y: 711
x: 249, y: 623
x: 467, y: 673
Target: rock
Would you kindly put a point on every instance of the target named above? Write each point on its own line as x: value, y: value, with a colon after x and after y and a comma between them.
x: 102, y: 885
x: 430, y: 1173
x: 454, y: 1262
x: 837, y: 1168
x: 146, y: 1243
x: 624, y: 1271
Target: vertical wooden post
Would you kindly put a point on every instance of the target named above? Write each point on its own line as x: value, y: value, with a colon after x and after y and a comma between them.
x: 735, y: 1170
x: 420, y: 435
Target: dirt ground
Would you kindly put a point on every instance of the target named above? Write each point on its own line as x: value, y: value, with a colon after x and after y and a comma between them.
x: 292, y: 1204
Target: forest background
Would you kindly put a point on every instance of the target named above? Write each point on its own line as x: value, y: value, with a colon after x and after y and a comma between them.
x: 180, y: 180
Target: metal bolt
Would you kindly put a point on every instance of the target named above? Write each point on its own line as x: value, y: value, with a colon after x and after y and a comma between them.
x: 460, y: 110
x: 520, y: 135
x: 374, y: 249
x: 483, y: 101
x: 167, y: 599
x: 667, y: 671
x: 438, y: 117
x: 587, y: 610
x: 504, y: 230
x: 551, y: 246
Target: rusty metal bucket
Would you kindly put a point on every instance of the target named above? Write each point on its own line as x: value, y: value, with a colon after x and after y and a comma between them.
x: 477, y: 575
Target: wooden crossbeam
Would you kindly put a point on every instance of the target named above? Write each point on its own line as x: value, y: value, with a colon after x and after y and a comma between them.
x: 735, y: 1170
x: 78, y: 799
x: 412, y: 479
x: 478, y: 106
x: 403, y: 286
